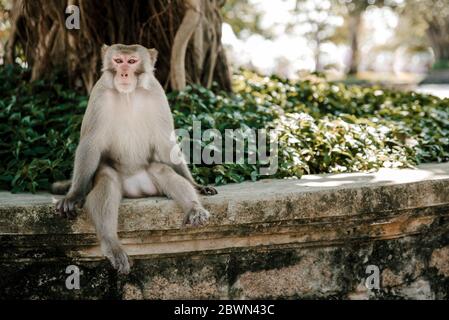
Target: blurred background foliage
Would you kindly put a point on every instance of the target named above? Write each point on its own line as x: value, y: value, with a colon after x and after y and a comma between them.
x: 393, y: 41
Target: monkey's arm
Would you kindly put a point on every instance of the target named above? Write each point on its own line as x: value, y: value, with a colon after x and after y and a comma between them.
x: 87, y: 159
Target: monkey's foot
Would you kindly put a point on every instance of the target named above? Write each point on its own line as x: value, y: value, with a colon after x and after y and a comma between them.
x: 206, y: 190
x: 198, y: 216
x: 119, y: 260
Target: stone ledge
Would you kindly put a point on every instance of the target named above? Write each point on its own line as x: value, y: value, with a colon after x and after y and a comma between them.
x: 309, y: 222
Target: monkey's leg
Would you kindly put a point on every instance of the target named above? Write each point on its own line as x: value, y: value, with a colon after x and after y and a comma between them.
x: 179, y: 189
x: 102, y: 204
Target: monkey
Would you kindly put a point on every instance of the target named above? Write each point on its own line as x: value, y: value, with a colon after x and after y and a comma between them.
x: 127, y: 150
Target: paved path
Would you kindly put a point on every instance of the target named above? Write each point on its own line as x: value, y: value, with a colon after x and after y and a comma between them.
x: 439, y: 90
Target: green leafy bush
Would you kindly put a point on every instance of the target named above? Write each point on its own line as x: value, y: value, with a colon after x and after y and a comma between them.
x: 352, y: 128
x: 322, y: 127
x: 221, y: 111
x: 39, y: 130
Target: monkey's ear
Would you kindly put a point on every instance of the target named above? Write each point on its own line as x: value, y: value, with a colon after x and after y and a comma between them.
x: 104, y: 48
x: 153, y: 55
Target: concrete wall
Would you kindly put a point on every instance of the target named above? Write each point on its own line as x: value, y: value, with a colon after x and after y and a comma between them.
x: 318, y: 237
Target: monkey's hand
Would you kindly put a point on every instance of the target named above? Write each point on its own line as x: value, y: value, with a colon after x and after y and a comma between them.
x: 66, y: 207
x: 206, y: 190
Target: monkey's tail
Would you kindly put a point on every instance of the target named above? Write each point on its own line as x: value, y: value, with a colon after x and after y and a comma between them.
x: 60, y: 187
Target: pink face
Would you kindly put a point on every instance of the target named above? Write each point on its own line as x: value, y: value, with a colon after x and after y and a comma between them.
x: 125, y: 66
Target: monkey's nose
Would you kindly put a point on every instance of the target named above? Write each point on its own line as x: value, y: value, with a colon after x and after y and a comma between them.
x: 124, y: 75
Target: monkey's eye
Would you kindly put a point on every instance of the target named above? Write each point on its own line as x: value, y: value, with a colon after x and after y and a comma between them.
x: 132, y: 61
x: 118, y: 60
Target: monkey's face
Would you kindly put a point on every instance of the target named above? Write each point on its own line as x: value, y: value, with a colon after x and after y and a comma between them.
x: 126, y: 67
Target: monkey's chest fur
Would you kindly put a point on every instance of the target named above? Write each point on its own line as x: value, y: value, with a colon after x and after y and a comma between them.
x: 135, y: 132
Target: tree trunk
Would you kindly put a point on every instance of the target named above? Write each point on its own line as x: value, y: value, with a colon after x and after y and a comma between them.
x: 355, y: 21
x: 438, y: 34
x: 17, y: 18
x: 317, y: 54
x: 186, y: 33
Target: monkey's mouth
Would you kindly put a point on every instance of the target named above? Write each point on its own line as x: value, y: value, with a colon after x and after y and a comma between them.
x: 125, y: 85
